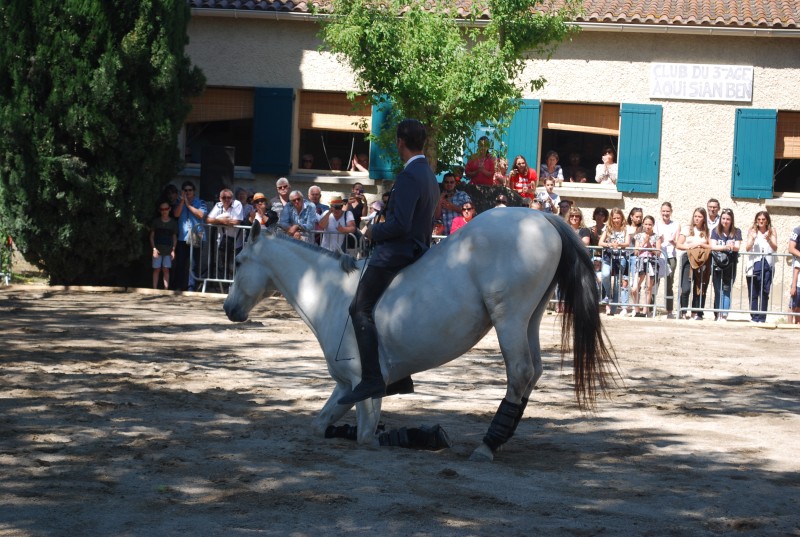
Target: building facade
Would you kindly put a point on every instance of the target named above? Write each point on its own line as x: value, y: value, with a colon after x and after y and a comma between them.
x: 697, y: 105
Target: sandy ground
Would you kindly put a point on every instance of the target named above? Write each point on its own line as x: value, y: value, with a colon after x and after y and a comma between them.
x: 141, y: 414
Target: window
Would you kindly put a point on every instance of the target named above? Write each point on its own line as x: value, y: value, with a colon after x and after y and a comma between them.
x: 220, y: 117
x: 786, y: 171
x: 331, y: 131
x: 579, y: 133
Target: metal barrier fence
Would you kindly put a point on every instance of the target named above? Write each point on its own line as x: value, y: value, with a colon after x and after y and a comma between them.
x: 742, y: 288
x: 752, y: 286
x: 631, y: 273
x: 212, y: 257
x: 628, y: 279
x: 6, y: 257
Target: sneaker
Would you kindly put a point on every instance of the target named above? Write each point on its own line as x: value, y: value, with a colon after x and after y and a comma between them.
x: 671, y: 316
x: 640, y: 315
x: 696, y: 318
x: 624, y: 312
x: 604, y: 300
x: 723, y: 319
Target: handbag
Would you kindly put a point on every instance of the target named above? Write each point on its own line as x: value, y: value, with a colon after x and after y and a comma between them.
x: 722, y: 260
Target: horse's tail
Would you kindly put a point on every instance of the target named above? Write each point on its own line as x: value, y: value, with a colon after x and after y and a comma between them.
x: 594, y: 365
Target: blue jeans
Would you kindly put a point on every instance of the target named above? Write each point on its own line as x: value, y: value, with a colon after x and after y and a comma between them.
x: 723, y: 281
x: 758, y: 288
x: 617, y: 267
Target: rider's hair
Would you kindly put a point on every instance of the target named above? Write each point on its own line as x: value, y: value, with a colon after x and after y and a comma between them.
x: 413, y: 133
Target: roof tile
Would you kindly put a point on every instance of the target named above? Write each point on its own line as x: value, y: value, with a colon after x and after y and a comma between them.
x: 775, y: 14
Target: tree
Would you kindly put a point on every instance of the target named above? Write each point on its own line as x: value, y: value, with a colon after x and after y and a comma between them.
x: 92, y: 97
x: 451, y: 72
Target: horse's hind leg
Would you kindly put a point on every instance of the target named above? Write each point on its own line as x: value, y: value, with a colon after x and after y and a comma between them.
x: 520, y: 370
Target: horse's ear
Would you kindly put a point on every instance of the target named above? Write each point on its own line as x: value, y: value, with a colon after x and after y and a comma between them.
x: 255, y: 231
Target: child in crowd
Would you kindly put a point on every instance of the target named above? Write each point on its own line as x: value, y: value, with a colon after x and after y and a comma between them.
x: 646, y: 264
x: 163, y: 240
x: 550, y: 200
x: 794, y: 293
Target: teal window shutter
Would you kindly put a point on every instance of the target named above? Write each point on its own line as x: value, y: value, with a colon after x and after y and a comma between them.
x: 753, y: 153
x: 380, y: 161
x: 522, y: 136
x: 272, y: 130
x: 639, y: 148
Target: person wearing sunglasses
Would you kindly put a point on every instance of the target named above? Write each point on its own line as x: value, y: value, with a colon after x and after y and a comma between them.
x: 281, y: 200
x: 190, y: 212
x: 163, y: 241
x: 467, y: 213
x: 299, y: 218
x: 226, y: 213
x: 450, y: 202
x: 260, y: 213
x: 337, y: 222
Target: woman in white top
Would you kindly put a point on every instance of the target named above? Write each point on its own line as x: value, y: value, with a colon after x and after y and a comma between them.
x: 614, y: 240
x: 696, y: 264
x: 762, y: 241
x: 606, y: 172
x: 646, y: 265
x: 667, y: 230
x: 551, y: 168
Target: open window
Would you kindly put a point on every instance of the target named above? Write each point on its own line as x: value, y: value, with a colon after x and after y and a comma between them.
x: 787, y: 153
x: 220, y: 117
x: 579, y: 133
x: 333, y: 130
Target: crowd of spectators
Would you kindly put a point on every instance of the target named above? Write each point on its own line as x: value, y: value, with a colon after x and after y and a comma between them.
x: 633, y: 255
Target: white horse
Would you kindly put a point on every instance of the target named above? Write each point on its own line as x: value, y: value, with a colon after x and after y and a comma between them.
x: 500, y: 270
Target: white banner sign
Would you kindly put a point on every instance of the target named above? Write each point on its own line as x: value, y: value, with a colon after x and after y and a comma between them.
x: 692, y: 81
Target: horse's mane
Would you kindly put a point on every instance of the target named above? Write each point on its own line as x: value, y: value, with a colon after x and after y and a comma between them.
x: 346, y: 262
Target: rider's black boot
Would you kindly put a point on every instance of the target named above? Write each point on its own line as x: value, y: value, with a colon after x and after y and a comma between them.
x: 372, y: 384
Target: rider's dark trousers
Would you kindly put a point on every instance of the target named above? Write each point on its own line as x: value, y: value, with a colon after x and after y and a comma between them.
x: 372, y: 285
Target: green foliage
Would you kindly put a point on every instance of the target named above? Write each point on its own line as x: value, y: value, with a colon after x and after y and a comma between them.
x: 92, y: 97
x: 448, y: 72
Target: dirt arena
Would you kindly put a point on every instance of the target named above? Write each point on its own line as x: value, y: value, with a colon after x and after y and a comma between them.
x: 142, y: 414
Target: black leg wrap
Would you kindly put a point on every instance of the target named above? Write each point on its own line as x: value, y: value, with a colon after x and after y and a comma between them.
x: 503, y: 424
x: 431, y: 438
x: 522, y: 407
x: 395, y: 437
x: 348, y: 432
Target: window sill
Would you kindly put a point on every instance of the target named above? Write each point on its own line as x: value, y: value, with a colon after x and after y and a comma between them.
x: 238, y: 172
x: 332, y: 178
x: 786, y: 199
x: 574, y: 191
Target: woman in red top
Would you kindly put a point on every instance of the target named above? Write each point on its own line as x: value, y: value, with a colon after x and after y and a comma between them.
x: 522, y: 178
x: 480, y: 168
x: 467, y: 214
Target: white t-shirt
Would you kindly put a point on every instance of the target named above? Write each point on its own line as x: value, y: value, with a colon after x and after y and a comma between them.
x: 668, y: 233
x: 332, y: 240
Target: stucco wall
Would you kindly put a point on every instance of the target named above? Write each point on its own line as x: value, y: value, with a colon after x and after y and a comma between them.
x: 697, y: 136
x: 264, y: 53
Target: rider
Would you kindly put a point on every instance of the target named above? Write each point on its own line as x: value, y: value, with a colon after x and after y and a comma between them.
x: 400, y: 240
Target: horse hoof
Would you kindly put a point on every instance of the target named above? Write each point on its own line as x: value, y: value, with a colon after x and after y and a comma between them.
x: 482, y: 453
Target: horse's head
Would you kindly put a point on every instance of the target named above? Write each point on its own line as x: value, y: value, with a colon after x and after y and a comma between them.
x: 250, y: 281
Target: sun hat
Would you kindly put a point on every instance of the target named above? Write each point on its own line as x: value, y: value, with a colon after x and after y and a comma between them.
x: 337, y: 200
x: 259, y: 196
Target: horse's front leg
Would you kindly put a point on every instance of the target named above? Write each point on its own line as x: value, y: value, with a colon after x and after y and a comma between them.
x: 368, y: 413
x: 332, y: 411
